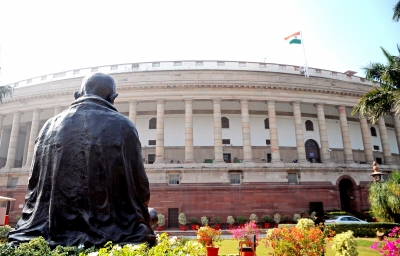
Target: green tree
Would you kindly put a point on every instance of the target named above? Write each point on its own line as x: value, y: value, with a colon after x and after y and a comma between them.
x: 5, y: 91
x: 396, y: 12
x: 381, y: 100
x: 384, y: 198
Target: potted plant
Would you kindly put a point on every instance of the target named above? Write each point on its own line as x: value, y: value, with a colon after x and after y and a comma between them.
x: 267, y: 220
x: 217, y: 222
x: 296, y: 217
x: 303, y: 214
x: 277, y: 218
x: 230, y: 221
x: 249, y: 232
x: 254, y: 217
x: 193, y: 222
x: 204, y: 221
x: 208, y: 237
x: 161, y: 221
x: 241, y: 220
x: 182, y: 221
x: 287, y: 219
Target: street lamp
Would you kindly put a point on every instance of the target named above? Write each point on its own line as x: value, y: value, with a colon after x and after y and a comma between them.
x: 376, y: 175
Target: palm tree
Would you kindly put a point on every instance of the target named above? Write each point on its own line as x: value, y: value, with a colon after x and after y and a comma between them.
x: 382, y: 100
x: 396, y: 10
x: 5, y: 91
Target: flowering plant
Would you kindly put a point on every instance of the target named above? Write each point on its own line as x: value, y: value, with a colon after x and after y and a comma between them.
x: 208, y: 236
x: 299, y: 240
x: 391, y: 247
x: 244, y: 233
x: 344, y: 244
x: 182, y: 219
x: 230, y: 220
x: 204, y: 221
x: 277, y: 218
x: 161, y: 219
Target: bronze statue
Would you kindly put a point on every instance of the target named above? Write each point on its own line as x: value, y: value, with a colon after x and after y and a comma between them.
x: 87, y: 184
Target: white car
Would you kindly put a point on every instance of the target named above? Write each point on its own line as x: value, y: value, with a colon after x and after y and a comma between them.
x: 344, y: 220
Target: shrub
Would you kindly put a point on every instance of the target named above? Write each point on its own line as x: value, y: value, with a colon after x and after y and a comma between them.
x: 161, y: 219
x: 344, y: 244
x: 204, y: 221
x: 296, y: 241
x: 193, y: 220
x: 266, y: 219
x: 182, y: 219
x: 230, y: 220
x: 286, y: 218
x: 361, y: 230
x: 208, y: 236
x: 305, y: 224
x: 277, y: 218
x: 3, y: 233
x: 254, y: 217
x: 241, y: 219
x: 216, y: 220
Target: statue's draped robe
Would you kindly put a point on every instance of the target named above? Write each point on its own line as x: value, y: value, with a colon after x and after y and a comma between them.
x: 87, y: 183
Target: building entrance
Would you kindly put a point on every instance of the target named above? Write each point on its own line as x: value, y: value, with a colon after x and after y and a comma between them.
x: 345, y: 186
x: 173, y: 217
x: 312, y: 151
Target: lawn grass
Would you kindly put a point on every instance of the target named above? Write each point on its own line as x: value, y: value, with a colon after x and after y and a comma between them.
x: 230, y: 247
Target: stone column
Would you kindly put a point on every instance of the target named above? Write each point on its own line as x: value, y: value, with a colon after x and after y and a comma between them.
x: 189, y: 131
x: 160, y: 132
x: 387, y: 155
x: 33, y: 135
x: 57, y: 110
x: 12, y: 147
x: 273, y: 132
x: 298, y: 123
x: 323, y: 134
x: 247, y: 153
x: 28, y: 132
x: 132, y: 110
x: 218, y: 151
x: 348, y: 152
x: 366, y: 137
x: 1, y: 128
x: 396, y: 122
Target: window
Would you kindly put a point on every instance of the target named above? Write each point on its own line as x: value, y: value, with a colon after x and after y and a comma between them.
x: 152, y: 142
x: 155, y: 64
x: 234, y: 178
x: 220, y: 63
x: 266, y: 123
x: 268, y: 142
x: 227, y: 158
x: 114, y: 67
x: 135, y: 65
x: 199, y: 63
x: 177, y: 63
x: 153, y: 123
x: 225, y: 122
x: 151, y: 158
x: 174, y: 178
x: 226, y: 141
x: 385, y: 176
x: 13, y: 182
x: 269, y: 158
x: 378, y: 160
x: 292, y: 178
x: 242, y: 64
x: 76, y: 72
x: 309, y: 126
x: 376, y: 147
x: 95, y: 69
x: 373, y: 132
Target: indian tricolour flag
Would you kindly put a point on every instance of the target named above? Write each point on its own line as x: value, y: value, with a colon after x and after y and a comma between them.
x: 294, y: 38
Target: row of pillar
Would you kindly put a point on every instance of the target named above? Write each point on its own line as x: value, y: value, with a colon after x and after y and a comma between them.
x: 218, y: 147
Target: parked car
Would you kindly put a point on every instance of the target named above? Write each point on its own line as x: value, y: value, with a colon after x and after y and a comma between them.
x: 344, y: 220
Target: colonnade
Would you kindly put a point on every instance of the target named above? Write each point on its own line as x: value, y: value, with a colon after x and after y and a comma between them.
x: 33, y: 129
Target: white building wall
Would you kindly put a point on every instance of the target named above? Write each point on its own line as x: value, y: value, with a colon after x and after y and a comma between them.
x: 234, y: 132
x: 355, y: 136
x: 334, y: 134
x: 20, y: 147
x: 258, y: 132
x: 203, y: 130
x: 376, y: 141
x: 393, y: 142
x: 5, y: 141
x: 174, y: 130
x: 145, y: 134
x: 286, y: 131
x: 314, y: 135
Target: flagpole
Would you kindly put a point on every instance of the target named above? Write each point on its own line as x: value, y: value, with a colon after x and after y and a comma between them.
x: 304, y: 51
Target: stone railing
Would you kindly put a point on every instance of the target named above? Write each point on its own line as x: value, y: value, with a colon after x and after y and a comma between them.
x: 192, y: 65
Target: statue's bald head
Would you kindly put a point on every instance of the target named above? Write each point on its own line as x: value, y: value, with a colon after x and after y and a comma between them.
x: 98, y: 84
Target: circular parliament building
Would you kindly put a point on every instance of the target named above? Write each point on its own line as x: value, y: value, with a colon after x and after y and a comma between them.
x: 222, y: 138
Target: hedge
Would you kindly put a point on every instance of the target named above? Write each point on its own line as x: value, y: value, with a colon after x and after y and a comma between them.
x: 362, y: 230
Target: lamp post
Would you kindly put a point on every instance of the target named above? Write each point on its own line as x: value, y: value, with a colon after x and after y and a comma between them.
x: 376, y: 175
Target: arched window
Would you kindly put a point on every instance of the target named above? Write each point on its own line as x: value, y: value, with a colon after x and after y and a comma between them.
x: 225, y: 122
x: 266, y: 123
x: 373, y: 132
x: 309, y: 126
x: 153, y: 123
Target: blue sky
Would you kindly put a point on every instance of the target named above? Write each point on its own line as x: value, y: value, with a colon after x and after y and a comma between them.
x: 43, y: 37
